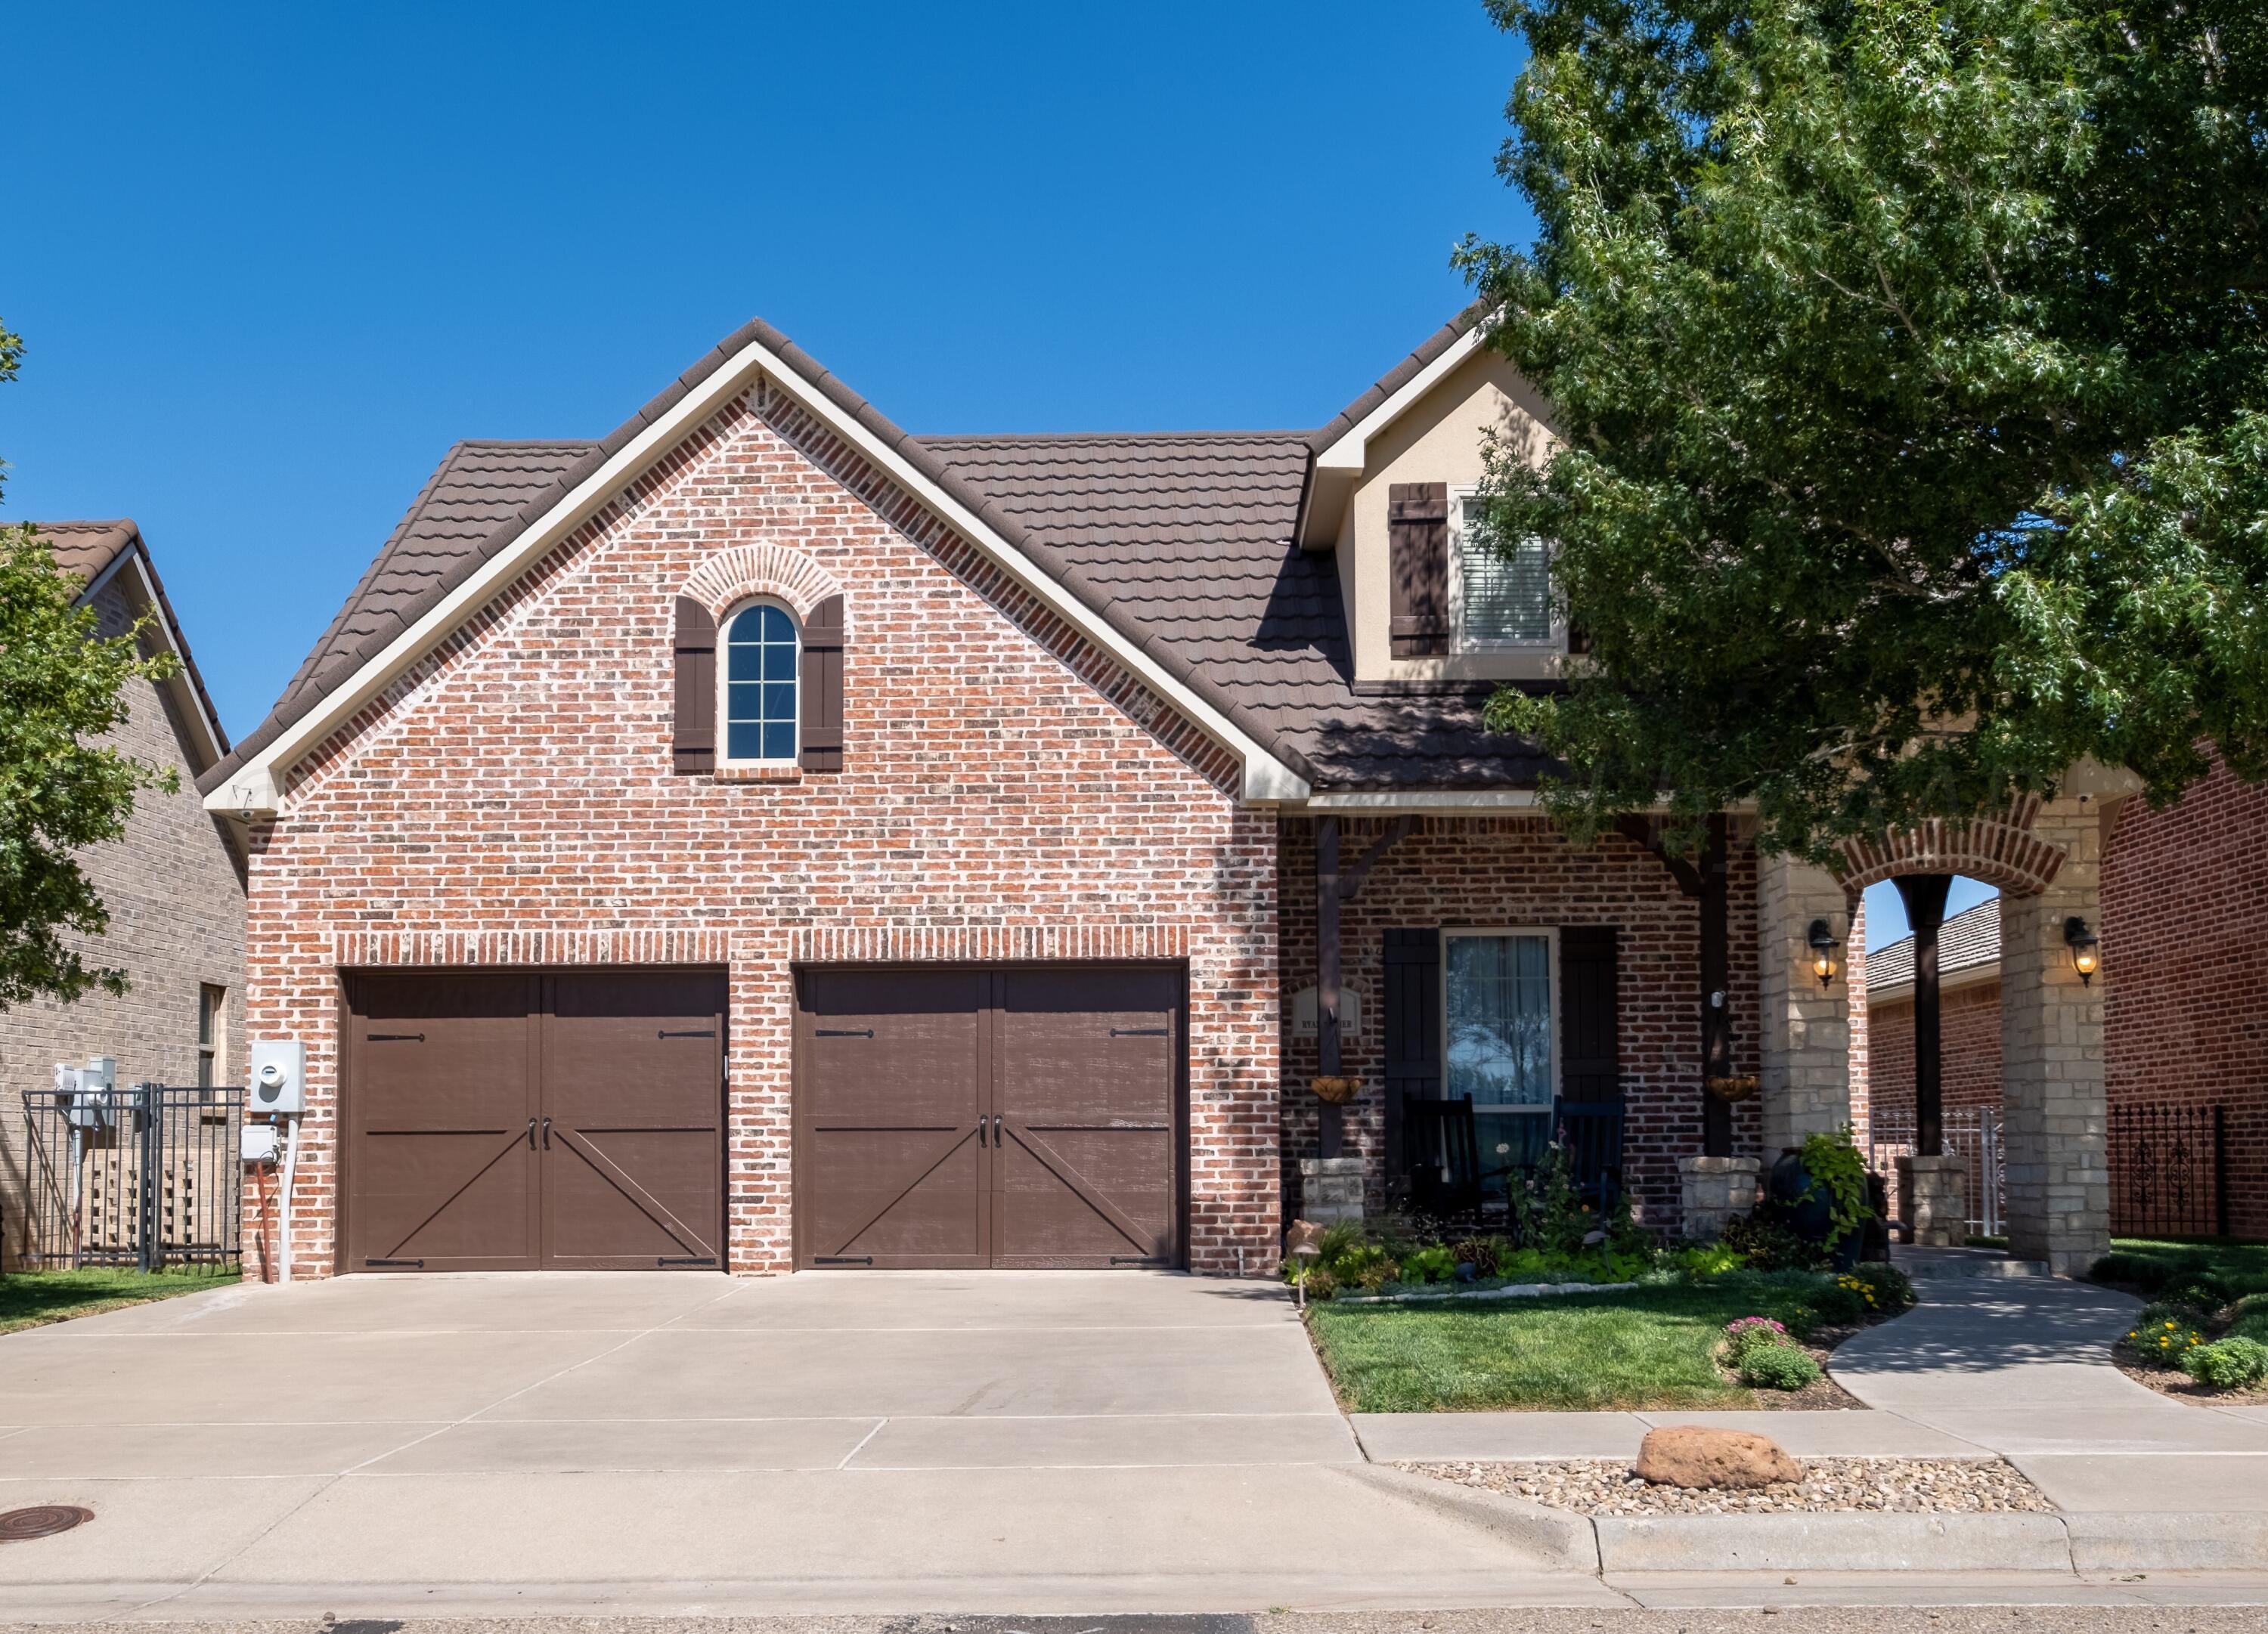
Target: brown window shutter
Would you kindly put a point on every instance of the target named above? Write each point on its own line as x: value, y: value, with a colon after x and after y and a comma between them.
x: 823, y: 687
x: 1590, y: 1015
x: 695, y: 740
x: 1418, y: 535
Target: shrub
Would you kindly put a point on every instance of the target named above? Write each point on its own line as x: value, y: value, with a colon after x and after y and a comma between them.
x: 1747, y: 1334
x: 1484, y: 1255
x: 2227, y: 1364
x: 1778, y: 1367
x: 1840, y: 1303
x: 2134, y: 1271
x: 1838, y: 1171
x: 1766, y: 1244
x: 2159, y: 1313
x: 1709, y: 1258
x: 1893, y: 1292
x: 2205, y: 1293
x: 1320, y: 1284
x: 2163, y: 1341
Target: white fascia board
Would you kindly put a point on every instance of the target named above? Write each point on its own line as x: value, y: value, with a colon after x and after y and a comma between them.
x: 253, y: 789
x: 1350, y: 452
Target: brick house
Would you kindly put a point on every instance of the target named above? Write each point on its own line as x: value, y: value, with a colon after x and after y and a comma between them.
x: 2183, y: 999
x: 764, y: 839
x: 174, y: 886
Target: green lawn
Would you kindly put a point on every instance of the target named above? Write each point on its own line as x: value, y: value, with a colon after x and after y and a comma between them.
x: 1638, y: 1348
x: 29, y: 1299
x: 2153, y: 1265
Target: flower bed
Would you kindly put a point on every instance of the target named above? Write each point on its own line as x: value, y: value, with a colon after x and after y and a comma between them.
x: 2205, y: 1332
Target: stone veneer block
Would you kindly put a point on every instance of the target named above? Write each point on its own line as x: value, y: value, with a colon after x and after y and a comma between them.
x: 1330, y: 1189
x: 1806, y: 1028
x: 1933, y: 1200
x: 1714, y: 1190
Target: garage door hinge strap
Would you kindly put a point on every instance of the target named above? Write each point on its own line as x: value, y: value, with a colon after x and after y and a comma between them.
x: 418, y: 1264
x: 842, y: 1259
x: 690, y: 1259
x: 1139, y: 1259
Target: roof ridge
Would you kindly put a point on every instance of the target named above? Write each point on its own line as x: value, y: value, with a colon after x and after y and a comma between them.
x: 524, y: 442
x: 1292, y: 435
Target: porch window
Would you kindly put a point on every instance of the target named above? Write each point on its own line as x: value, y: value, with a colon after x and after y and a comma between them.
x: 1495, y: 601
x: 1496, y: 992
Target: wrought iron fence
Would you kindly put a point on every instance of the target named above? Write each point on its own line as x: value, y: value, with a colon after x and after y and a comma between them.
x: 1970, y: 1132
x: 149, y: 1176
x: 2168, y: 1171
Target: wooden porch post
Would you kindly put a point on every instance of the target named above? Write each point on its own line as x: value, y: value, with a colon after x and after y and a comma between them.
x: 1924, y: 895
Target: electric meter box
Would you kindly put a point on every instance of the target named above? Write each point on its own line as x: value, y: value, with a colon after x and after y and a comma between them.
x: 279, y: 1076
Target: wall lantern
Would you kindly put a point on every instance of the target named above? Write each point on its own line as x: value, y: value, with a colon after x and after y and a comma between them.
x: 2086, y: 949
x: 1823, y: 949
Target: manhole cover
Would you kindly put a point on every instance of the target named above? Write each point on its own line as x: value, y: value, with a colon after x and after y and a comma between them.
x: 42, y: 1521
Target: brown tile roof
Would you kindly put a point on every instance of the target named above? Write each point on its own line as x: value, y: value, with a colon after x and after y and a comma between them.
x: 87, y: 550
x: 1181, y: 541
x: 1967, y: 941
x: 1394, y: 379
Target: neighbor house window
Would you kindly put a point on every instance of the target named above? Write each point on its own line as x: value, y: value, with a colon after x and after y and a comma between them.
x: 1496, y: 601
x: 1496, y: 989
x: 760, y: 686
x: 212, y: 1035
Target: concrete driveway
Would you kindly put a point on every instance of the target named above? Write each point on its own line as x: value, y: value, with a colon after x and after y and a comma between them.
x: 1009, y: 1441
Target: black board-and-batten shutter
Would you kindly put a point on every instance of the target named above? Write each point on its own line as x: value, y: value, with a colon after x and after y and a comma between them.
x: 1410, y: 1035
x: 1418, y: 538
x: 821, y: 706
x: 1590, y: 1035
x: 694, y: 739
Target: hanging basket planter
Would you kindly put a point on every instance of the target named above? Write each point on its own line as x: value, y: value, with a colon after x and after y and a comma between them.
x: 1335, y: 1090
x: 1735, y: 1088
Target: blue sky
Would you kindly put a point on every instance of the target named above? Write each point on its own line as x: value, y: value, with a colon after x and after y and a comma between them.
x: 270, y: 263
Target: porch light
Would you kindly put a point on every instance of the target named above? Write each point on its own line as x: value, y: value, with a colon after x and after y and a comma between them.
x: 2086, y: 949
x: 1823, y: 949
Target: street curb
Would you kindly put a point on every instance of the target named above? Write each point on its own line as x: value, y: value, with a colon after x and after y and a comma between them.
x: 2214, y: 1541
x: 1841, y: 1540
x: 1561, y: 1540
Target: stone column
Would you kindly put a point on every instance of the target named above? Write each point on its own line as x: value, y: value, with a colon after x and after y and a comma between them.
x: 2059, y: 1193
x: 1330, y: 1189
x: 1806, y: 1031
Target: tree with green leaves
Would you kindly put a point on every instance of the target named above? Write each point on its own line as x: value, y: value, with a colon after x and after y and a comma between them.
x: 63, y: 686
x: 1910, y: 366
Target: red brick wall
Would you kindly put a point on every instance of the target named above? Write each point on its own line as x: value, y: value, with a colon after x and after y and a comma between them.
x: 2185, y: 989
x: 511, y: 801
x: 1522, y: 872
x: 1969, y: 1038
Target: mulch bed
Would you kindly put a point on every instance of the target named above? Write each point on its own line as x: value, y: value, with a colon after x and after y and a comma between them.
x: 1606, y: 1486
x: 2181, y: 1387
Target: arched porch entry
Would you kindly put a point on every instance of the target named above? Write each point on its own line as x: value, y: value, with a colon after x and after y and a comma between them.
x: 2045, y: 857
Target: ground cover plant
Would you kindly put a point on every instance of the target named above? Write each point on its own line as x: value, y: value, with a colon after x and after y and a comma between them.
x: 2206, y: 1321
x: 33, y: 1298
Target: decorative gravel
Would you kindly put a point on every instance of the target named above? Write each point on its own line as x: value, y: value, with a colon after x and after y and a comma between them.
x: 1605, y: 1486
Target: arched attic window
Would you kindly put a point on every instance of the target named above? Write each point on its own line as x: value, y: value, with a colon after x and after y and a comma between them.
x: 759, y: 703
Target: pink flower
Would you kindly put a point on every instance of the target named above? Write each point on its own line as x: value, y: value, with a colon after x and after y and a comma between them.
x: 1741, y: 1324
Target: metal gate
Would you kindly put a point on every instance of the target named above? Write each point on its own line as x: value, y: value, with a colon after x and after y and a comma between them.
x: 1970, y: 1132
x: 149, y: 1176
x: 2168, y: 1171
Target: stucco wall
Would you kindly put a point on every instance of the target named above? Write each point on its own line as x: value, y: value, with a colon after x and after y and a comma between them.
x: 176, y: 906
x: 515, y: 802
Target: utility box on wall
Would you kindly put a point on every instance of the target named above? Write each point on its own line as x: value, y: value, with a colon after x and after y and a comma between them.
x: 279, y: 1076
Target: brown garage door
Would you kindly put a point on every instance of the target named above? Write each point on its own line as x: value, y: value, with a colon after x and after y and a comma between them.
x: 522, y: 1121
x: 1020, y: 1116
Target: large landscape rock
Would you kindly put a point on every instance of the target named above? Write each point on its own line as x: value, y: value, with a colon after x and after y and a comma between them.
x: 1687, y: 1455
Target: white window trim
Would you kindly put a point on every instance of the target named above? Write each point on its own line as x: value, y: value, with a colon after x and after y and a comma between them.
x: 1551, y: 934
x: 1459, y: 642
x: 725, y: 757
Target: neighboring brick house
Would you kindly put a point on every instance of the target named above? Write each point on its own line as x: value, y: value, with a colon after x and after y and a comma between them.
x: 764, y: 839
x: 173, y: 886
x: 2186, y: 1001
x: 1969, y: 1021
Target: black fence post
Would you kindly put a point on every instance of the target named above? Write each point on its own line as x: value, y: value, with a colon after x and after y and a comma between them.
x: 145, y: 1111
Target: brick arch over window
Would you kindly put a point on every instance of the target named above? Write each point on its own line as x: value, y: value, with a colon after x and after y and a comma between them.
x: 731, y: 577
x: 2001, y: 851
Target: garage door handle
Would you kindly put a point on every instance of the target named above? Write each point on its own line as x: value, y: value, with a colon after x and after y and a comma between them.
x: 547, y: 1134
x: 995, y: 1128
x: 980, y: 1132
x: 531, y: 1134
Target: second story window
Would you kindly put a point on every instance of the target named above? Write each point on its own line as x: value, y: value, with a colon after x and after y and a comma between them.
x: 760, y: 686
x: 1498, y: 600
